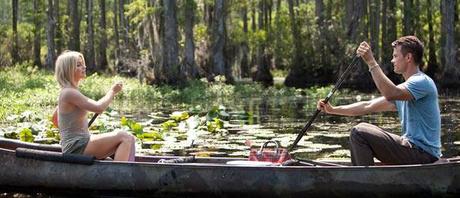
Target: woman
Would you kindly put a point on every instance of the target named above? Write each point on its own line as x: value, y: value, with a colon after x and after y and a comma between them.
x: 72, y: 111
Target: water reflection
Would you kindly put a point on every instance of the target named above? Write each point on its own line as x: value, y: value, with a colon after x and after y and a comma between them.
x: 263, y: 118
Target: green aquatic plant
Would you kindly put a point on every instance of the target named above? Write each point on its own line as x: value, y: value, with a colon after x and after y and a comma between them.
x: 26, y: 135
x: 179, y: 115
x: 135, y: 127
x: 151, y: 136
x: 214, y: 125
x: 168, y: 125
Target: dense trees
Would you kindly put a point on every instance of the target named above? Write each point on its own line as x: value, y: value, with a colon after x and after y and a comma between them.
x: 171, y: 42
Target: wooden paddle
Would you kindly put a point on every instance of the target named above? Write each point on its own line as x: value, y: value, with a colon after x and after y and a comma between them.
x: 92, y: 119
x: 328, y: 97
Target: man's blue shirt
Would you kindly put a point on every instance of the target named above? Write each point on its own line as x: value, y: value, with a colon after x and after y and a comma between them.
x: 420, y: 117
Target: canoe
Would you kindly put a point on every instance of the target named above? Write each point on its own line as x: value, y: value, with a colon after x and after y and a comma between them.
x: 44, y: 169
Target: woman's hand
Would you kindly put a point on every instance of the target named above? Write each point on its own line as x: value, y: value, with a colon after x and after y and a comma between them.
x: 324, y: 107
x: 117, y: 87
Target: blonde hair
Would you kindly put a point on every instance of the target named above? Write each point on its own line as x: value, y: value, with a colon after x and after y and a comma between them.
x: 66, y: 64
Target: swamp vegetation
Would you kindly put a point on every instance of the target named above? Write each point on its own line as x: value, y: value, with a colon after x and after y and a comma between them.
x: 203, y: 118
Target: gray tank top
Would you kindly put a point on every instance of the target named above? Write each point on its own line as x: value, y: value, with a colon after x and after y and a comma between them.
x: 73, y: 127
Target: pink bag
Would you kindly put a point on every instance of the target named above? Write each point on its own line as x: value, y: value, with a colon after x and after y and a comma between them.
x: 275, y: 155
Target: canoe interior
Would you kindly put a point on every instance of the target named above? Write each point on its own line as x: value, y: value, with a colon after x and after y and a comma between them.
x: 12, y: 145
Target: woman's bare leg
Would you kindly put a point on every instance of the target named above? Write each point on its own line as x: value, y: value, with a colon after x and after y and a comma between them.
x: 104, y: 145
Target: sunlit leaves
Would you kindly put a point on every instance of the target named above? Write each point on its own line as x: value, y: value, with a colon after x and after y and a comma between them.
x: 179, y: 115
x: 26, y: 135
x: 151, y: 136
x: 215, y: 124
x: 137, y: 10
x: 133, y: 126
x: 168, y: 125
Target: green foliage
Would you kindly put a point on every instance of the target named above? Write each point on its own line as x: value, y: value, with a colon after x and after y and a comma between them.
x: 201, y: 32
x: 215, y: 117
x: 25, y: 88
x: 26, y: 135
x: 179, y: 115
x: 217, y: 112
x: 137, y: 10
x: 168, y: 125
x: 151, y: 136
x: 214, y: 125
x: 135, y: 127
x: 11, y: 135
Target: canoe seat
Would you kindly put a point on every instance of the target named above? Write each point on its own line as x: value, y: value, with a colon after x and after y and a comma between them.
x: 54, y: 156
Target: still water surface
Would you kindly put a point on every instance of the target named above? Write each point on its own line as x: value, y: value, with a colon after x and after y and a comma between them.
x: 262, y: 118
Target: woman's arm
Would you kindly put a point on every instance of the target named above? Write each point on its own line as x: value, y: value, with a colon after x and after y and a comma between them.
x: 74, y: 97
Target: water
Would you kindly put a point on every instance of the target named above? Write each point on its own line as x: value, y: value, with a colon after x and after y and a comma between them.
x: 281, y: 119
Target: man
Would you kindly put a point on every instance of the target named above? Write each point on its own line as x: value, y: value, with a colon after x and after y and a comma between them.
x: 416, y: 100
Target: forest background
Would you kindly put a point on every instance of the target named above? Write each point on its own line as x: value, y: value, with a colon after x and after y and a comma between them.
x: 172, y: 42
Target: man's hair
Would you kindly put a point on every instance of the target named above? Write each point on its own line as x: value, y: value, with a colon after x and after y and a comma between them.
x: 411, y: 44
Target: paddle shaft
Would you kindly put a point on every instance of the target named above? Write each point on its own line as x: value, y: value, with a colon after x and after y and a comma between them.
x: 326, y: 100
x: 92, y: 119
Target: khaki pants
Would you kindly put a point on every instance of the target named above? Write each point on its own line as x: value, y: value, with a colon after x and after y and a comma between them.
x: 368, y: 141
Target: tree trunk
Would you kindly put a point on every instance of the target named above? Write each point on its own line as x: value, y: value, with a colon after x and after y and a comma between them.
x: 89, y: 56
x: 432, y: 67
x: 297, y: 76
x: 170, y: 68
x: 218, y: 41
x: 384, y: 31
x: 409, y: 17
x: 278, y: 38
x: 388, y: 36
x: 58, y: 37
x: 37, y: 27
x: 416, y: 22
x: 269, y: 16
x: 123, y: 23
x: 208, y: 13
x: 355, y: 20
x: 102, y: 51
x: 74, y: 42
x: 321, y: 45
x: 319, y: 11
x: 263, y: 74
x: 358, y: 32
x: 15, y: 43
x: 51, y: 56
x: 189, y: 65
x: 253, y: 21
x: 375, y: 27
x: 116, y: 34
x: 451, y: 70
x: 156, y: 47
x: 245, y: 71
